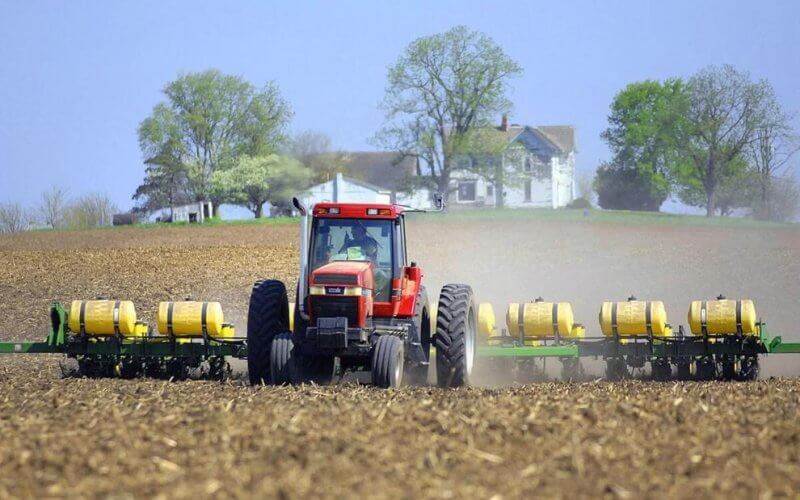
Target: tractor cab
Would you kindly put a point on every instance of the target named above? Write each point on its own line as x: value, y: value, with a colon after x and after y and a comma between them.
x: 377, y: 240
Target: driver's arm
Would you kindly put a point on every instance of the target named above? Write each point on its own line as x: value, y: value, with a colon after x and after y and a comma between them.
x: 348, y: 240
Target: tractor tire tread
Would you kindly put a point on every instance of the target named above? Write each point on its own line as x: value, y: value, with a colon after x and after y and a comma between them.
x: 267, y: 317
x: 455, y: 306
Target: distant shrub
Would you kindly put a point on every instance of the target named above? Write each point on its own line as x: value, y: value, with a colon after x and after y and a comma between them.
x: 629, y: 188
x: 125, y: 219
x: 91, y: 210
x: 580, y: 203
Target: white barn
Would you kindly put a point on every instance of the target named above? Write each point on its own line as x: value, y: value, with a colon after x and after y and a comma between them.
x: 540, y: 159
x: 347, y: 190
x: 192, y: 212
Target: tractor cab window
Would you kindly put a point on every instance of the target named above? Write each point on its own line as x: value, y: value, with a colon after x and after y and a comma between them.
x: 356, y: 239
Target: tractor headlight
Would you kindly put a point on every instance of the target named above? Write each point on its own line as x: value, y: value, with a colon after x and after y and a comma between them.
x: 348, y: 291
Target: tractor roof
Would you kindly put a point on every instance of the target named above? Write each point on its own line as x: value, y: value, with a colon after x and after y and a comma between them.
x: 357, y: 210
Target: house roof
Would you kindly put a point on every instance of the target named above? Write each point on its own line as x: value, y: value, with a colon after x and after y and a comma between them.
x: 383, y: 170
x: 366, y: 185
x: 562, y: 135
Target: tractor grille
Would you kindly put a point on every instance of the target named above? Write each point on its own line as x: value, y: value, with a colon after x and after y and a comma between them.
x: 336, y: 307
x: 335, y: 279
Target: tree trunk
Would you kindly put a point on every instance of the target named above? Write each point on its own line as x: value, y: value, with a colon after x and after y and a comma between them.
x: 443, y: 182
x: 711, y: 202
x: 499, y: 186
x: 710, y: 185
x: 259, y: 211
x: 215, y: 210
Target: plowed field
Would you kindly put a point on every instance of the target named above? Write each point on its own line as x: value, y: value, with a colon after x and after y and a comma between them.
x: 142, y: 438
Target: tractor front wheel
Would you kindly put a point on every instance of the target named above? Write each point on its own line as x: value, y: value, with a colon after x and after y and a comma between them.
x: 283, y: 363
x: 388, y: 358
x: 267, y: 317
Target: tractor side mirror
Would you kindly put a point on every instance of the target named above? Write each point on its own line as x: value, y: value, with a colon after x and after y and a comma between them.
x: 299, y: 206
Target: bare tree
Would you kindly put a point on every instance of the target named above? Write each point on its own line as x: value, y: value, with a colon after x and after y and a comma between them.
x: 725, y: 111
x: 53, y: 207
x: 13, y: 218
x: 784, y: 196
x: 774, y: 145
x: 315, y: 150
x: 309, y: 143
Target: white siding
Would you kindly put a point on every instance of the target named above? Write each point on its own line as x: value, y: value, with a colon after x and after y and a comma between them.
x: 420, y: 198
x: 194, y: 212
x: 341, y: 189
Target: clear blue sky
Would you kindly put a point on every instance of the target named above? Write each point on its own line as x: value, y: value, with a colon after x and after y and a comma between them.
x: 78, y: 77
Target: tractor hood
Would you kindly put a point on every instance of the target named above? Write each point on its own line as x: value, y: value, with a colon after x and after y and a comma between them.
x: 344, y: 274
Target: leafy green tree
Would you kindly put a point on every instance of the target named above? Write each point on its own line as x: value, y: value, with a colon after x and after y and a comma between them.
x: 440, y: 88
x: 208, y: 121
x: 726, y: 109
x: 737, y: 188
x: 645, y: 127
x: 629, y: 188
x: 255, y: 180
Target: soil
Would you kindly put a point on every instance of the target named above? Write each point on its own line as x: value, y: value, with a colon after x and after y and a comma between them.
x: 141, y: 438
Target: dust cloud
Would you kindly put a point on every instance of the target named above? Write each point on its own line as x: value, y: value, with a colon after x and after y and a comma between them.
x: 588, y: 263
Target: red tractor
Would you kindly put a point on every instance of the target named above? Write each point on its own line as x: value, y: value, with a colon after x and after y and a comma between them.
x: 361, y: 302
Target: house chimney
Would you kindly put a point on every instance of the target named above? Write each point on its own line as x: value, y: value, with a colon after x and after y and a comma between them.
x: 504, y: 123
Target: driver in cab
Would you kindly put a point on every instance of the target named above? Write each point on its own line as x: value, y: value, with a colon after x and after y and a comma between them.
x: 359, y: 238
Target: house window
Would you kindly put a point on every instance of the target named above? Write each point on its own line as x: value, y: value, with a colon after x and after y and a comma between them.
x: 489, y: 191
x: 466, y: 191
x: 527, y: 190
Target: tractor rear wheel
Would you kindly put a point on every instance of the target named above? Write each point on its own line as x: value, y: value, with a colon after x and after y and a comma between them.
x: 456, y: 327
x: 267, y: 317
x: 388, y: 360
x: 282, y: 360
